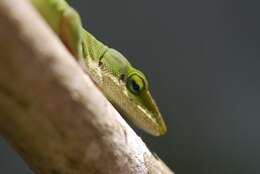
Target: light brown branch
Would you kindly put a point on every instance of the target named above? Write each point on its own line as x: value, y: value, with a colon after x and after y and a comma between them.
x: 52, y: 113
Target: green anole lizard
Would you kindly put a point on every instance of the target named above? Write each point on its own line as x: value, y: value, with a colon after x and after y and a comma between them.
x: 123, y: 85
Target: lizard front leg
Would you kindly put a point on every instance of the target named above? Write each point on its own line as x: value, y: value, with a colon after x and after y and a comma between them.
x: 64, y: 21
x: 71, y: 32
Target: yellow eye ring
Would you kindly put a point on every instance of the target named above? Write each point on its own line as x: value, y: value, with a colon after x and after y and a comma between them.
x: 135, y: 83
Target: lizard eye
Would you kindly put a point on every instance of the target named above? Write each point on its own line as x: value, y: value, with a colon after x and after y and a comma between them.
x: 135, y: 83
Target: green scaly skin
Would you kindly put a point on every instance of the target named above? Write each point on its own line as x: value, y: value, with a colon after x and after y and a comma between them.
x: 126, y: 87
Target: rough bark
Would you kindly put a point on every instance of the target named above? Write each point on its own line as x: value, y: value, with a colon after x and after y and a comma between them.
x: 50, y: 110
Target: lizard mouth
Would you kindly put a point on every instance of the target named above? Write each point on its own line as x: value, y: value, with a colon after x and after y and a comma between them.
x: 143, y: 112
x: 156, y: 124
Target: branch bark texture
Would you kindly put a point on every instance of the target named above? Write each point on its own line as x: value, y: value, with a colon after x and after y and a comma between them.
x: 50, y: 110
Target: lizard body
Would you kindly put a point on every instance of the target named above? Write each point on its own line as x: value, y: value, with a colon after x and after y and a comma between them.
x: 125, y: 86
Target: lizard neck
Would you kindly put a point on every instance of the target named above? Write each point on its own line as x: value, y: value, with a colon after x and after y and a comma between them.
x: 92, y: 48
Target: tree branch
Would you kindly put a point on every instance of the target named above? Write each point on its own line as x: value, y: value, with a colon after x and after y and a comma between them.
x: 50, y: 110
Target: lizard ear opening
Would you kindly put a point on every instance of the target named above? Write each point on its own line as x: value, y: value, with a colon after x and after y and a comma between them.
x: 135, y: 84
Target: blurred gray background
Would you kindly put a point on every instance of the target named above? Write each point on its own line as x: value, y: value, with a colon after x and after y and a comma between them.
x: 202, y: 61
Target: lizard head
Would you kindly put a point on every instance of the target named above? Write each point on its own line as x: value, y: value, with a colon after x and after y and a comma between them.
x: 127, y: 88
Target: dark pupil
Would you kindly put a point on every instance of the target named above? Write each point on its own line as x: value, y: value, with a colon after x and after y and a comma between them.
x: 135, y: 86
